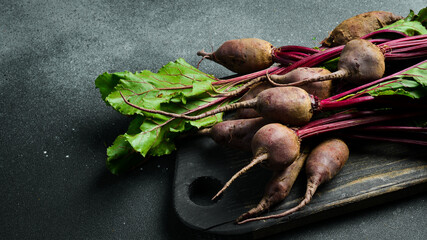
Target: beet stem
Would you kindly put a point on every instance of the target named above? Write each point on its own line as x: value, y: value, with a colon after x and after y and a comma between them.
x: 335, y: 75
x: 242, y: 88
x: 328, y: 105
x: 395, y: 128
x: 245, y: 78
x: 168, y: 114
x: 388, y: 139
x: 257, y: 159
x: 369, y: 35
x: 336, y: 117
x: 245, y: 104
x: 176, y: 115
x: 307, y: 132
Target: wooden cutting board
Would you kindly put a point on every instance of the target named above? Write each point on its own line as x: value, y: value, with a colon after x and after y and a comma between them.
x: 375, y: 173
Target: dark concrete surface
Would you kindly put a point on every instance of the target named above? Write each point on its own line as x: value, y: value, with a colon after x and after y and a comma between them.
x: 55, y: 128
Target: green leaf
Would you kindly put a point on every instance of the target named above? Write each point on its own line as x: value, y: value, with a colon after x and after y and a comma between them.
x: 410, y: 16
x: 413, y: 24
x: 409, y: 28
x: 411, y: 83
x: 177, y: 87
x: 422, y: 16
x: 402, y: 87
x: 419, y: 74
x: 175, y: 83
x: 122, y: 157
x: 331, y: 65
x: 106, y: 83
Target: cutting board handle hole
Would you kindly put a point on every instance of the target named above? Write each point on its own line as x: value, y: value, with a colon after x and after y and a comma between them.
x: 202, y: 189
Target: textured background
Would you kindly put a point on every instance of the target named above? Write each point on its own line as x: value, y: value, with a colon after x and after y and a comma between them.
x: 55, y: 128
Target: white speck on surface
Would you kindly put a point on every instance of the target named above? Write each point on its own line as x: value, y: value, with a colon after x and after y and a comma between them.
x: 158, y: 166
x: 67, y: 156
x: 44, y: 152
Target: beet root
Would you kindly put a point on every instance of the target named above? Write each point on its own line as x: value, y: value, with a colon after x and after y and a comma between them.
x: 320, y: 89
x: 275, y: 146
x: 287, y: 105
x: 236, y: 133
x: 242, y: 56
x: 358, y: 26
x: 323, y: 163
x: 279, y: 142
x: 362, y: 60
x: 277, y: 188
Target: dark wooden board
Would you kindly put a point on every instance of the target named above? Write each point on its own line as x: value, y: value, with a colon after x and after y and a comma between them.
x: 375, y: 173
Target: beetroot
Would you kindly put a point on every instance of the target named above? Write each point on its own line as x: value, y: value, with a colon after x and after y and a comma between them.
x: 277, y: 188
x: 323, y: 163
x: 321, y: 90
x: 358, y: 26
x: 275, y: 146
x: 242, y: 55
x: 236, y: 133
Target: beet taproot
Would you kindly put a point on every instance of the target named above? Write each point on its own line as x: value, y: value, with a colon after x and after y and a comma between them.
x: 322, y: 164
x: 275, y: 146
x: 278, y: 187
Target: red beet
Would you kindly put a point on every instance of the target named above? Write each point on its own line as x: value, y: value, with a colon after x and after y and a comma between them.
x: 275, y: 146
x: 242, y: 55
x: 323, y: 163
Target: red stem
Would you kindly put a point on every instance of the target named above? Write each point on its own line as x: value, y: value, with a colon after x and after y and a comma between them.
x: 395, y: 128
x: 337, y: 117
x: 369, y: 35
x: 330, y: 53
x: 329, y: 105
x: 388, y: 139
x: 307, y: 132
x: 250, y: 76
